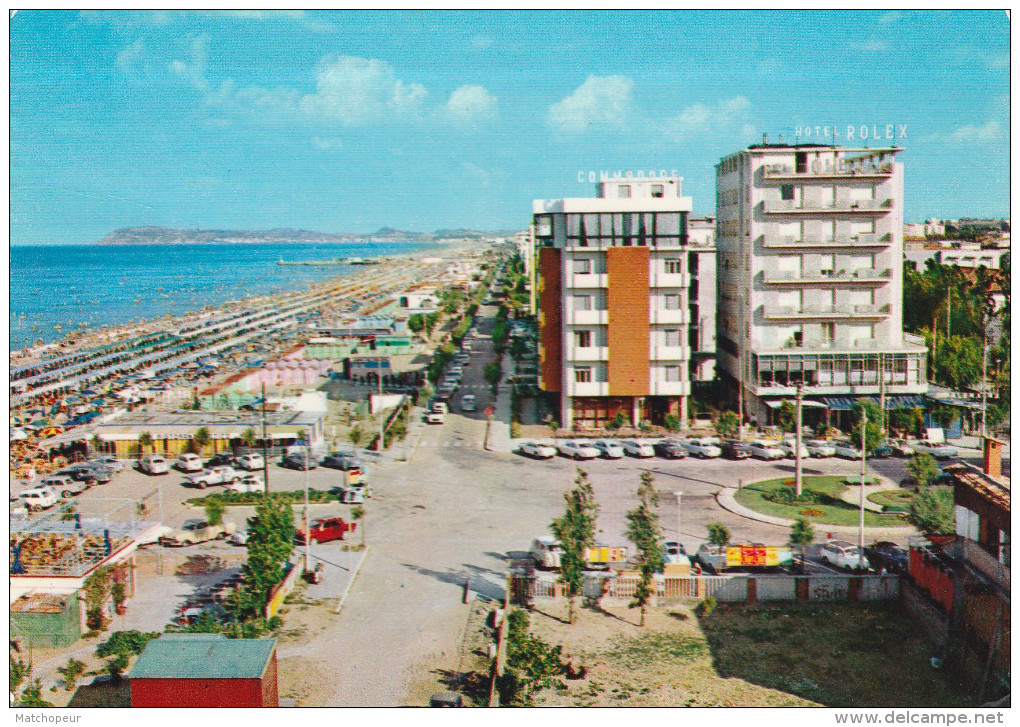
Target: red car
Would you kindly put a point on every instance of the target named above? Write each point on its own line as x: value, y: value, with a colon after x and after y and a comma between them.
x: 326, y: 529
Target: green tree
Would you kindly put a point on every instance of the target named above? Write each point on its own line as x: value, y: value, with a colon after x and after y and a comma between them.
x: 873, y: 435
x: 718, y: 534
x: 248, y: 437
x: 923, y: 468
x: 801, y: 535
x: 932, y: 512
x: 201, y: 439
x: 416, y: 323
x: 554, y: 426
x: 727, y: 425
x: 644, y: 531
x: 72, y: 672
x: 575, y: 530
x: 786, y: 416
x: 270, y: 544
x: 358, y: 516
x: 906, y: 420
x: 355, y: 434
x: 144, y: 441
x: 19, y: 672
x: 213, y: 510
x: 492, y: 373
x: 531, y: 663
x: 32, y: 696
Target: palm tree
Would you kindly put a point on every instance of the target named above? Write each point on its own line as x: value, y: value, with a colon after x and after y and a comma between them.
x: 201, y: 439
x: 249, y: 438
x: 144, y: 440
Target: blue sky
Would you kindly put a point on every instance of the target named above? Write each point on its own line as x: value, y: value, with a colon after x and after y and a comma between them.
x: 420, y: 120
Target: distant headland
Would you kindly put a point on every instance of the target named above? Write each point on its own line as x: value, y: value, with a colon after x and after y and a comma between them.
x: 170, y: 236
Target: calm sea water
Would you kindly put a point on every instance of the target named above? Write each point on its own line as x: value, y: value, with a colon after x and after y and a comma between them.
x: 65, y: 285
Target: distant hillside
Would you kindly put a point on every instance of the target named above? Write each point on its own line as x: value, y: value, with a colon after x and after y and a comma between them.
x: 170, y: 236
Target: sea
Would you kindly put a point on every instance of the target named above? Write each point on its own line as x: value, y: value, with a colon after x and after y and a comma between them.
x: 55, y: 288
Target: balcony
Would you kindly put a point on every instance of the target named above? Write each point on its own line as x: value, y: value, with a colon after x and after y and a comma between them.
x: 587, y: 317
x: 815, y: 207
x: 671, y: 280
x: 781, y: 312
x: 663, y: 315
x: 816, y: 170
x: 588, y: 388
x: 865, y: 276
x: 855, y: 241
x: 671, y: 353
x: 586, y: 280
x: 590, y: 353
x: 670, y: 388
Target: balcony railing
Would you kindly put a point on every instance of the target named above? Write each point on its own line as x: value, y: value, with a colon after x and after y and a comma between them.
x: 809, y: 311
x: 871, y: 276
x: 817, y: 170
x: 787, y: 206
x: 864, y: 240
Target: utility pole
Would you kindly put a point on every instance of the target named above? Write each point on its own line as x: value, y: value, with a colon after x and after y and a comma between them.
x: 798, y: 480
x: 740, y: 395
x: 679, y: 495
x: 864, y: 465
x: 984, y: 378
x: 308, y: 529
x: 265, y: 444
x: 881, y: 391
x: 949, y: 309
x: 379, y: 448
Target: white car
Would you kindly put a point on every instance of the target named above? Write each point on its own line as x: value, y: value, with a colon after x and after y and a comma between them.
x: 39, y: 497
x: 189, y: 463
x: 219, y: 475
x: 820, y: 448
x: 248, y: 483
x: 847, y: 450
x: 153, y: 464
x: 936, y: 450
x: 239, y: 538
x: 110, y: 462
x: 843, y: 555
x: 608, y: 448
x: 66, y: 485
x: 538, y: 450
x: 251, y: 461
x: 454, y: 371
x: 638, y: 448
x: 703, y: 447
x: 764, y: 449
x: 578, y: 450
x: 440, y: 406
x: 467, y: 402
x: 435, y: 417
x: 789, y: 446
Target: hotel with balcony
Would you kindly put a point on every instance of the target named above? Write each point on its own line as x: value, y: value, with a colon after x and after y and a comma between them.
x: 810, y: 251
x: 625, y: 302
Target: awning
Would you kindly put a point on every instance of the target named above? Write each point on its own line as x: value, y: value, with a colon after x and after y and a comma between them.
x: 806, y: 404
x: 846, y: 403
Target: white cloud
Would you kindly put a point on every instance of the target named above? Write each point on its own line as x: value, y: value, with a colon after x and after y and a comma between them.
x: 469, y: 103
x: 194, y: 70
x: 477, y: 173
x: 326, y: 143
x: 891, y: 17
x: 970, y: 134
x: 699, y: 116
x: 259, y: 14
x: 481, y: 42
x: 599, y: 100
x: 871, y: 46
x: 128, y: 57
x: 353, y: 90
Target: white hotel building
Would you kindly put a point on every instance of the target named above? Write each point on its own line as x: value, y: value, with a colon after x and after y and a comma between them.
x: 626, y: 300
x: 810, y: 276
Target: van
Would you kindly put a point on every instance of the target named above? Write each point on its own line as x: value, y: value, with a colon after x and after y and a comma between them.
x: 153, y: 464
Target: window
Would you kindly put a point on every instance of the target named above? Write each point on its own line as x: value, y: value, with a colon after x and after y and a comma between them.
x: 672, y: 373
x: 583, y: 375
x: 786, y: 191
x: 828, y: 332
x: 657, y: 191
x: 798, y: 338
x: 582, y: 302
x: 543, y: 225
x: 582, y: 339
x: 674, y: 265
x: 623, y: 191
x: 671, y: 337
x: 582, y: 265
x: 672, y: 302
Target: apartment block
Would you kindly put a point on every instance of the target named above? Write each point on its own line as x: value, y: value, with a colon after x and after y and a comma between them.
x: 625, y: 301
x: 810, y: 277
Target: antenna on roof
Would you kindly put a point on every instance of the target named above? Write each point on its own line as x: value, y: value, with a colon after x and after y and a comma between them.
x: 780, y: 138
x: 764, y: 138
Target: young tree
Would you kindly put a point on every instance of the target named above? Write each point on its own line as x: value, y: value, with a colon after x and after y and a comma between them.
x: 873, y: 435
x: 787, y: 416
x: 358, y: 516
x: 931, y: 511
x: 727, y: 424
x: 492, y: 374
x: 213, y: 510
x: 554, y: 426
x: 19, y: 672
x: 270, y: 544
x: 201, y: 439
x: 144, y: 441
x: 355, y: 434
x: 575, y: 530
x: 801, y: 535
x: 718, y: 534
x: 923, y: 468
x: 72, y: 672
x: 644, y: 531
x: 249, y: 437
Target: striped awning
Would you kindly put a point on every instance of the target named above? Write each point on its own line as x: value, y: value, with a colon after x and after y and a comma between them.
x: 846, y: 403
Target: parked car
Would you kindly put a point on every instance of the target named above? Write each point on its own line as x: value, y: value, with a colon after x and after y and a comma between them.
x: 239, y: 538
x: 440, y: 406
x: 789, y: 446
x: 820, y: 448
x: 455, y: 371
x: 608, y: 448
x: 887, y: 555
x: 303, y: 461
x: 66, y: 485
x: 90, y: 472
x: 247, y: 483
x: 577, y: 450
x: 342, y: 461
x: 847, y: 449
x: 468, y: 402
x: 704, y: 447
x: 188, y: 462
x: 538, y: 450
x: 734, y: 449
x: 110, y: 462
x: 673, y: 552
x: 712, y: 558
x: 901, y: 448
x: 325, y: 529
x: 353, y: 494
x: 670, y: 449
x: 198, y: 531
x: 638, y: 448
x: 40, y: 497
x: 446, y: 699
x: 936, y: 450
x: 222, y: 475
x: 843, y: 555
x: 764, y: 449
x: 435, y: 417
x: 882, y: 451
x: 222, y: 458
x: 153, y: 464
x: 251, y: 461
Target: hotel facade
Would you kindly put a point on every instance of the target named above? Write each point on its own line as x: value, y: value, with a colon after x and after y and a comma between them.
x: 626, y: 302
x: 810, y: 279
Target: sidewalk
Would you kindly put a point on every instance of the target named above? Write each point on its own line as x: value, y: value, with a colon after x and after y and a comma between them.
x: 726, y: 498
x: 497, y: 434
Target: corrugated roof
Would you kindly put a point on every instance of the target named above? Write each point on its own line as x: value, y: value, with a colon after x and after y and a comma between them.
x: 203, y: 656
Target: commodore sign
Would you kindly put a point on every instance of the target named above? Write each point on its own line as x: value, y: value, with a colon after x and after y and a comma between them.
x: 853, y: 132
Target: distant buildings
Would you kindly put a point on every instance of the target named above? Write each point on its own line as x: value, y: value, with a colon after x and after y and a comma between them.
x: 624, y: 301
x: 810, y: 278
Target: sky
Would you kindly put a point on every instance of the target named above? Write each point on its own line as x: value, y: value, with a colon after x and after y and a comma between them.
x: 423, y: 120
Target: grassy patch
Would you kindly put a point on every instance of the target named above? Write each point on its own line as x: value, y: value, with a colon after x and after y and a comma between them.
x: 840, y: 655
x: 832, y: 511
x: 892, y: 498
x: 254, y: 498
x: 654, y: 646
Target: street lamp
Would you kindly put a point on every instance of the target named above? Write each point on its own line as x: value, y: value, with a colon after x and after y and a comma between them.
x: 864, y: 466
x: 679, y: 495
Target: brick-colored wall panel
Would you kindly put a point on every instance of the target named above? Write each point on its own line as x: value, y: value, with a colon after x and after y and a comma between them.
x: 627, y: 301
x: 550, y: 318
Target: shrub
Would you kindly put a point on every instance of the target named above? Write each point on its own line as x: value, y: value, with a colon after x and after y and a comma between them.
x: 812, y: 512
x: 618, y: 421
x: 706, y: 607
x: 116, y: 665
x: 515, y: 430
x: 788, y: 496
x: 72, y: 673
x: 672, y: 422
x: 94, y: 618
x: 126, y: 642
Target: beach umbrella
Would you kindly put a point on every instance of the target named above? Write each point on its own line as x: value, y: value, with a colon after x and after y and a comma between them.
x: 35, y: 411
x: 39, y: 424
x: 18, y: 434
x: 51, y: 432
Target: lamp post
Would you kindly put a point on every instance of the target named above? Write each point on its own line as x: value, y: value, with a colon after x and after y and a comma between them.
x: 798, y: 478
x: 679, y: 495
x: 864, y: 465
x: 308, y: 528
